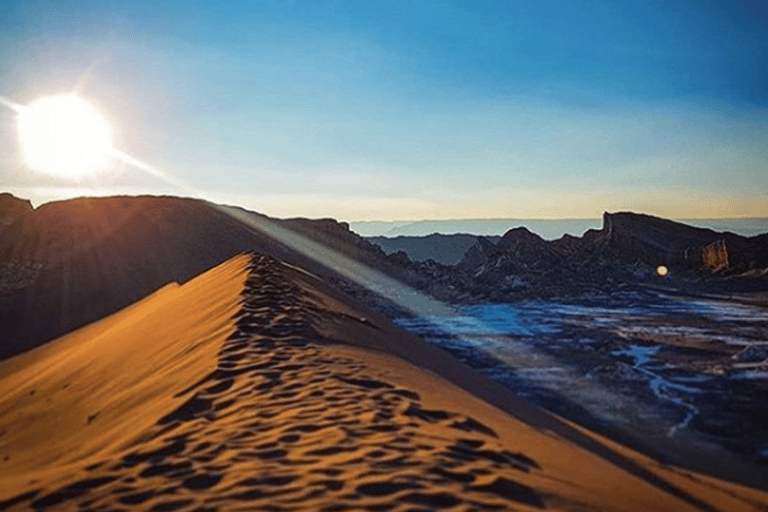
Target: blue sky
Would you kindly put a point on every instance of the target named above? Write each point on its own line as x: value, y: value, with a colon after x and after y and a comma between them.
x: 408, y: 110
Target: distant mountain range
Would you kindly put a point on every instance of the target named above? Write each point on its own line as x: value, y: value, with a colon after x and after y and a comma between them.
x: 445, y: 249
x: 548, y: 229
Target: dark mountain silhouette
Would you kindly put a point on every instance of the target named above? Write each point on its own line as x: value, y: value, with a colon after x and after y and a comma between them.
x: 68, y: 263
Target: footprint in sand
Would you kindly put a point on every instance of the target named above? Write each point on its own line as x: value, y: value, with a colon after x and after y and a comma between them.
x: 281, y: 425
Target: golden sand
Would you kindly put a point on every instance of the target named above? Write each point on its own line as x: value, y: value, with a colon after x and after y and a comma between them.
x: 257, y: 387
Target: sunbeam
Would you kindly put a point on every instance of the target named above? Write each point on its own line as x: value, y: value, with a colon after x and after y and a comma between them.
x: 11, y: 104
x: 152, y: 171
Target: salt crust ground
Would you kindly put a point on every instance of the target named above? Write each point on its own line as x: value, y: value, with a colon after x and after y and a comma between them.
x: 256, y: 387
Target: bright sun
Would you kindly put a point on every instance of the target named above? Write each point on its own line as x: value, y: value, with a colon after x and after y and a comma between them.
x: 64, y: 136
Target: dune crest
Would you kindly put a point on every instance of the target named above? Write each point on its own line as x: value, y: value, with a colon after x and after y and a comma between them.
x: 96, y: 390
x: 254, y: 388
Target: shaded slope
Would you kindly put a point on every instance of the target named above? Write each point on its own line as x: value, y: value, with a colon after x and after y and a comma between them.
x: 309, y: 404
x: 73, y: 262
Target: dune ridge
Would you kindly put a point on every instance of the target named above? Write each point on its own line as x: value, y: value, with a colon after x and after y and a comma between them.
x: 252, y: 387
x: 94, y: 391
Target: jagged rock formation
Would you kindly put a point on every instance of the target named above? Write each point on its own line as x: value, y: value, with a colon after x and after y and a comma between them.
x: 627, y: 249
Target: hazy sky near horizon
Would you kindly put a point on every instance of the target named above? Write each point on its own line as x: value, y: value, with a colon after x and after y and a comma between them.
x: 409, y: 109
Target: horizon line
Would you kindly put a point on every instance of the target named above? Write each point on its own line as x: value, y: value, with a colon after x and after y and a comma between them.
x: 394, y: 221
x: 543, y: 218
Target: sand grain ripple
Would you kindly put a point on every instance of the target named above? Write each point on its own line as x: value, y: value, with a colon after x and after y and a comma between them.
x: 283, y: 424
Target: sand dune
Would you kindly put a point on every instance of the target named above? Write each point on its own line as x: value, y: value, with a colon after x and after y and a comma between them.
x: 257, y: 387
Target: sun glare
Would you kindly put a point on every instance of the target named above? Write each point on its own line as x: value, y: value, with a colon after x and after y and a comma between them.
x: 64, y: 136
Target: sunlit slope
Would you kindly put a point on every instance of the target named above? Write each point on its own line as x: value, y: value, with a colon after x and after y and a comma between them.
x: 99, y: 389
x: 75, y: 261
x: 258, y: 387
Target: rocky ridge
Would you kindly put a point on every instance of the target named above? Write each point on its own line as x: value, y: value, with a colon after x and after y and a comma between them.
x: 626, y: 251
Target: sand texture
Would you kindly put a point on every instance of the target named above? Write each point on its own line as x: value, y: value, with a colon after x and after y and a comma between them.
x: 256, y: 387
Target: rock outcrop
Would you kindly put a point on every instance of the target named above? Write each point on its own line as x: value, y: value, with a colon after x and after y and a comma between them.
x: 13, y: 209
x: 675, y: 244
x: 627, y: 249
x: 715, y: 256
